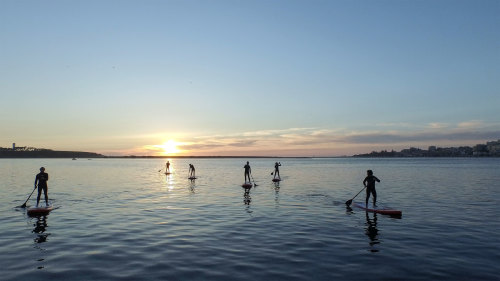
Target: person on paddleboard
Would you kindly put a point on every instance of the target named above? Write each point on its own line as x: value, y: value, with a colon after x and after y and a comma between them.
x: 41, y: 179
x: 248, y: 170
x: 167, y: 170
x: 277, y: 170
x: 192, y: 171
x: 369, y: 183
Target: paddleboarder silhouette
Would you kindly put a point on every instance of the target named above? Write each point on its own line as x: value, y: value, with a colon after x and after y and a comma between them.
x: 369, y: 183
x: 41, y: 179
x: 191, y: 171
x: 277, y: 170
x: 248, y: 170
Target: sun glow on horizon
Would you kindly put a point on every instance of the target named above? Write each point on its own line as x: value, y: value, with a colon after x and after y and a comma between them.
x: 169, y: 147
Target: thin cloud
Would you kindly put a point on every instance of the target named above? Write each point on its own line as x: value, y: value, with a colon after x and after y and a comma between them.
x: 424, y: 137
x: 320, y: 141
x: 471, y: 124
x: 315, y: 137
x: 438, y: 125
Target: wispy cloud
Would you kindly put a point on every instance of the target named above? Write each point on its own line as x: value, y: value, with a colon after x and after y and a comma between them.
x: 337, y: 142
x: 424, y: 137
x: 438, y: 125
x: 471, y: 124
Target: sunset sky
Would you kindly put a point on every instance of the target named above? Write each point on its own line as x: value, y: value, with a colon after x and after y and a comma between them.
x: 270, y: 78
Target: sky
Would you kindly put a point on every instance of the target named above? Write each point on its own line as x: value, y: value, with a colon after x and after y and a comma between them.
x: 252, y: 78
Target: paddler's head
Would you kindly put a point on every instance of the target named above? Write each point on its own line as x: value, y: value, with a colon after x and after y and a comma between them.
x: 42, y: 169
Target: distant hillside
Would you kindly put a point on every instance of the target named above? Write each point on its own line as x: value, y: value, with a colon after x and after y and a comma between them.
x: 31, y: 152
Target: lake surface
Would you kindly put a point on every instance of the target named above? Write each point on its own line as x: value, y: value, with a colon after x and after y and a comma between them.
x: 124, y: 219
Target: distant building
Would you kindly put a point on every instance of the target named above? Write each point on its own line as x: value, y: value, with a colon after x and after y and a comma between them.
x: 14, y: 146
x: 480, y: 150
x: 493, y: 148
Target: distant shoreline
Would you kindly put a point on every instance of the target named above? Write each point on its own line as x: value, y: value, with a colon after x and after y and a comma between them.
x: 241, y: 157
x: 488, y: 150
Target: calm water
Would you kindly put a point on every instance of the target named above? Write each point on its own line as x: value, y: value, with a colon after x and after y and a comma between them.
x: 122, y: 219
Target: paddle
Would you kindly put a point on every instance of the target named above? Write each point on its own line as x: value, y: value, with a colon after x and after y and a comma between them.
x: 253, y: 180
x: 348, y: 202
x: 24, y: 205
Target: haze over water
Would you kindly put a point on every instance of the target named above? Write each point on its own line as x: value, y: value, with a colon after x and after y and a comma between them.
x: 124, y: 219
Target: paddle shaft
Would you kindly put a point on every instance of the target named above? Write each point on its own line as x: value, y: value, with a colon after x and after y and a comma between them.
x: 253, y: 180
x: 350, y: 201
x: 24, y: 205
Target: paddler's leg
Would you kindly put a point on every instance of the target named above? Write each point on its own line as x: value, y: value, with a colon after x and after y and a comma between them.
x: 46, y: 196
x: 374, y: 197
x: 367, y: 196
x: 38, y: 197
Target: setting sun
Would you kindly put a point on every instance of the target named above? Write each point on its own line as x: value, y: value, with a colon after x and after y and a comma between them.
x: 169, y: 147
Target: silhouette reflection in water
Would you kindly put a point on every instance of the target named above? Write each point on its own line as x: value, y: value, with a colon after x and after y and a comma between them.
x: 247, y: 200
x: 246, y: 196
x: 192, y: 185
x: 276, y: 193
x: 276, y: 184
x: 40, y: 229
x: 371, y: 231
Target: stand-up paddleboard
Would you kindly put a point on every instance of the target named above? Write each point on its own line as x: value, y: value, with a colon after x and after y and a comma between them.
x: 247, y: 185
x: 378, y: 209
x: 192, y: 178
x: 168, y: 173
x: 276, y: 180
x: 39, y: 211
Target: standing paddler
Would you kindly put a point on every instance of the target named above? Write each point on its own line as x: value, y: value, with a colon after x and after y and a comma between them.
x: 41, y: 179
x: 192, y: 171
x: 277, y: 170
x: 248, y: 170
x: 369, y: 183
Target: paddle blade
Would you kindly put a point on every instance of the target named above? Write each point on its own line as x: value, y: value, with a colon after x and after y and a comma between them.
x: 348, y: 202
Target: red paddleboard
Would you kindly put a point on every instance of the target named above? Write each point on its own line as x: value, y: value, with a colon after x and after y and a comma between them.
x: 247, y: 185
x: 276, y: 180
x: 39, y: 211
x: 378, y: 209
